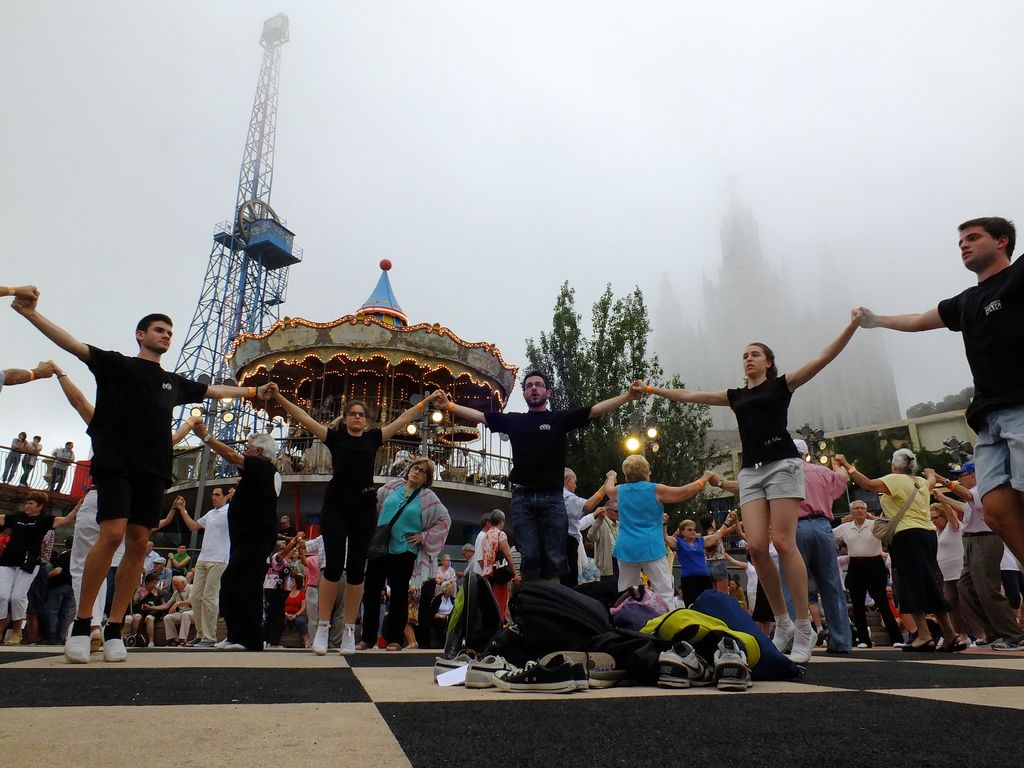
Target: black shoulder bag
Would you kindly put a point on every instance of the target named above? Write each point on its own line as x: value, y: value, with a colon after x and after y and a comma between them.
x: 381, y: 541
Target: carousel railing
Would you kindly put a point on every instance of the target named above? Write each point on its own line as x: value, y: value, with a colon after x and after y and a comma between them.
x: 308, y: 456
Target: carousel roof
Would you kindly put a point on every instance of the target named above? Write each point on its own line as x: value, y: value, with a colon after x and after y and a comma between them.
x: 382, y: 301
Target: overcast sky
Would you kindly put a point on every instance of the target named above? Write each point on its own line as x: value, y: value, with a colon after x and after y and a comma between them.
x: 493, y: 152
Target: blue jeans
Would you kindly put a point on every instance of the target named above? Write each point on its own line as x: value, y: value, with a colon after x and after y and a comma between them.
x: 60, y: 609
x: 539, y: 524
x: 817, y: 546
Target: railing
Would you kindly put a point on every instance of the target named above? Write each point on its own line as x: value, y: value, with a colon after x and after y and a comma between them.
x: 308, y: 456
x: 41, y: 474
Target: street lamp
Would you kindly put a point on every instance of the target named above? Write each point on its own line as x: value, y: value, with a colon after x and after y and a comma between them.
x: 643, y: 431
x: 959, y: 451
x: 817, y: 446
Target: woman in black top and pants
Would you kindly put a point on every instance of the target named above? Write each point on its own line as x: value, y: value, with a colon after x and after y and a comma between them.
x: 771, y: 483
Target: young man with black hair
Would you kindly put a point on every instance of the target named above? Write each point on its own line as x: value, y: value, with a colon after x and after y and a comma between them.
x: 990, y: 316
x: 537, y: 513
x: 131, y: 464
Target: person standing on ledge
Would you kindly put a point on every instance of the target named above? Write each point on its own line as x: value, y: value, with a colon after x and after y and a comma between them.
x: 990, y: 316
x: 131, y: 464
x: 771, y: 482
x: 537, y: 513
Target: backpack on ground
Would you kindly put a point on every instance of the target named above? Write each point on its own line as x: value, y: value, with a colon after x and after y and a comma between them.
x: 473, y: 628
x: 551, y: 617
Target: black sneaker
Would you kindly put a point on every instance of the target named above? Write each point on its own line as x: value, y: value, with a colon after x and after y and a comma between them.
x: 731, y: 670
x: 558, y: 675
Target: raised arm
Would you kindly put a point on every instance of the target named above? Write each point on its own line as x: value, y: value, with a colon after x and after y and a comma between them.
x: 686, y: 395
x: 69, y: 518
x: 712, y: 539
x: 410, y: 415
x: 951, y: 485
x: 182, y: 432
x: 226, y: 452
x: 605, y: 407
x: 928, y: 320
x: 26, y: 307
x: 186, y: 518
x: 730, y: 486
x: 609, y: 489
x: 460, y: 411
x: 809, y: 370
x: 168, y: 517
x: 263, y: 392
x: 74, y: 395
x: 318, y: 430
x: 865, y: 482
x: 14, y: 376
x: 673, y: 494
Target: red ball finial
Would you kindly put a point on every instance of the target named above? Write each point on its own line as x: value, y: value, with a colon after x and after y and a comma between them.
x: 385, y: 264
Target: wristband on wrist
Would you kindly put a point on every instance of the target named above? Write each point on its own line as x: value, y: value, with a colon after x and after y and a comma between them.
x: 451, y: 406
x: 952, y: 484
x: 252, y: 391
x: 420, y: 406
x: 700, y: 483
x: 205, y: 438
x: 31, y: 375
x: 649, y: 389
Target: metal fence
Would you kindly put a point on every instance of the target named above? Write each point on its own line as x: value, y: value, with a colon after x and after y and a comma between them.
x: 308, y: 456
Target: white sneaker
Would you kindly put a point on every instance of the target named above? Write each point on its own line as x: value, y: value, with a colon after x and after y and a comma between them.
x: 348, y: 640
x: 222, y: 643
x: 77, y: 648
x: 231, y: 647
x: 320, y: 639
x: 803, y: 645
x: 782, y: 638
x: 114, y: 650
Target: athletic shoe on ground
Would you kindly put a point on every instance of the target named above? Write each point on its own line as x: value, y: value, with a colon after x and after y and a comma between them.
x: 222, y: 643
x: 231, y: 647
x: 193, y: 642
x: 205, y: 644
x: 348, y: 640
x: 77, y: 649
x: 863, y: 645
x: 14, y: 637
x: 983, y: 642
x: 731, y: 670
x: 442, y: 665
x: 782, y: 638
x: 803, y: 646
x: 320, y: 639
x: 114, y: 650
x: 681, y: 667
x: 95, y: 641
x: 1007, y: 645
x: 557, y: 676
x: 481, y: 671
x: 600, y: 667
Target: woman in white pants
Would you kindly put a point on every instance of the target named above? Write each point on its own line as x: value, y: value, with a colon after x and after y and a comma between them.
x: 19, y: 562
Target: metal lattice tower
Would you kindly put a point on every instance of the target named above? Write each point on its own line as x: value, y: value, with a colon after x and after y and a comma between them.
x: 247, y: 274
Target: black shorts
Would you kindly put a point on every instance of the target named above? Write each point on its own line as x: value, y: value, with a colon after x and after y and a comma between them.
x: 122, y: 495
x: 347, y: 527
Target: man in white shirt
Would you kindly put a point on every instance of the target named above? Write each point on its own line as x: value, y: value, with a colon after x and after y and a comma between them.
x: 866, y: 574
x: 213, y: 560
x: 579, y: 511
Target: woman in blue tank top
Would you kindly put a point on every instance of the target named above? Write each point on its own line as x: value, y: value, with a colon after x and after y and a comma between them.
x: 642, y: 538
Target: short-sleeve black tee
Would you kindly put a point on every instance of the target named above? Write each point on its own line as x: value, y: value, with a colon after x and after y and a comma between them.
x: 27, y: 533
x: 538, y: 444
x: 353, y: 458
x: 62, y: 579
x: 762, y: 413
x: 252, y: 516
x: 990, y: 315
x: 135, y: 401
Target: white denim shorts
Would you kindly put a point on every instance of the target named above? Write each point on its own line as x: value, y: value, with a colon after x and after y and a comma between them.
x: 782, y: 479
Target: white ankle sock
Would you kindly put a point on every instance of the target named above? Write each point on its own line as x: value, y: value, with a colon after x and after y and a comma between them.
x: 783, y: 620
x: 803, y: 627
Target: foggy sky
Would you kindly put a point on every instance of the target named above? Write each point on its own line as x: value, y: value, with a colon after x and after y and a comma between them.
x: 493, y: 152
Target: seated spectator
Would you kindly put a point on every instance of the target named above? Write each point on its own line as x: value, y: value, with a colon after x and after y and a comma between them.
x: 163, y: 580
x: 295, y: 610
x: 147, y: 605
x: 445, y: 571
x: 178, y: 561
x: 151, y: 559
x: 178, y: 620
x: 737, y: 591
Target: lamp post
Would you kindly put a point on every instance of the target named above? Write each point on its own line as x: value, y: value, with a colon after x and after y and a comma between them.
x: 643, y: 432
x: 959, y: 451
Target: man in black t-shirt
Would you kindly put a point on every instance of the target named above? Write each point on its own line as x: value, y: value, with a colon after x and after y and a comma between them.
x: 131, y: 464
x: 537, y: 513
x: 990, y: 316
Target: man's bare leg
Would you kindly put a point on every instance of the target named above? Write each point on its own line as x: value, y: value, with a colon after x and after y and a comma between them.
x: 97, y: 564
x: 129, y: 570
x: 1004, y: 513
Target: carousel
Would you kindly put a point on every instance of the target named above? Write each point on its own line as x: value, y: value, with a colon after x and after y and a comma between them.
x: 376, y: 356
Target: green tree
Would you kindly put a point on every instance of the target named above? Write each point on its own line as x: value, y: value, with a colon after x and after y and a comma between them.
x: 586, y: 369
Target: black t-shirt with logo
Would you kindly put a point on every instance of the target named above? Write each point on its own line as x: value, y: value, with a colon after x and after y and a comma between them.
x: 353, y: 459
x: 27, y: 533
x: 62, y: 579
x: 538, y: 444
x: 252, y: 516
x: 990, y: 315
x: 762, y: 413
x: 135, y: 401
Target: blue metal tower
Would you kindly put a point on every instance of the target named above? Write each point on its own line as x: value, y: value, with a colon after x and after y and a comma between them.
x: 247, y: 274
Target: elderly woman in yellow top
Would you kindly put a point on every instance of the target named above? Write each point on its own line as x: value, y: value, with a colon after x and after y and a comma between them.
x: 918, y: 580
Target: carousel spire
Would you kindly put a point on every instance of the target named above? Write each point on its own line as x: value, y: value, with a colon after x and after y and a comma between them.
x: 382, y: 302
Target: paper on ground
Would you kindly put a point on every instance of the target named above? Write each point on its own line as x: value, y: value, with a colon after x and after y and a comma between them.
x: 455, y: 676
